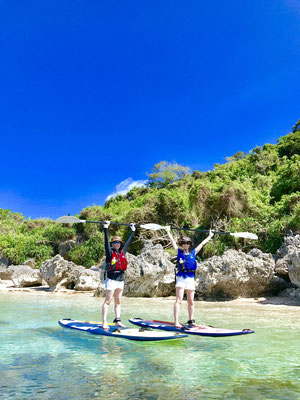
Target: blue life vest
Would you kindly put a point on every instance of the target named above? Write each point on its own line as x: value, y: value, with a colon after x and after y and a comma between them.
x: 186, y: 262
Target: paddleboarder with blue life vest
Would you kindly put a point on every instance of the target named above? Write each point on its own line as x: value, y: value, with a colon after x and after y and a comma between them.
x: 185, y: 276
x: 116, y: 265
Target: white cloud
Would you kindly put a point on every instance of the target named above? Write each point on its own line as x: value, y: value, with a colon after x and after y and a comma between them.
x: 125, y: 186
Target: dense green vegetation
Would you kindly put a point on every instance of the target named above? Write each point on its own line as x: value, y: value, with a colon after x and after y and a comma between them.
x: 257, y: 192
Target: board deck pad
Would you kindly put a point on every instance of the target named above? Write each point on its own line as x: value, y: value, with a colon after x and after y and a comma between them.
x: 142, y: 334
x: 197, y: 330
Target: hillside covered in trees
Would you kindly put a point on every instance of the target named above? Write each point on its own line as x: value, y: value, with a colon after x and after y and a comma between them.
x: 258, y: 192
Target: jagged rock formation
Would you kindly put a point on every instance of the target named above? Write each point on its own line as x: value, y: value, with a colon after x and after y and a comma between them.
x: 87, y: 280
x: 59, y: 273
x: 288, y: 259
x: 236, y: 274
x: 152, y: 274
x: 20, y: 276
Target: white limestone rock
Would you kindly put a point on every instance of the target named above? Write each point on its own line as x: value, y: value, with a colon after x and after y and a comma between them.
x: 150, y: 274
x: 59, y: 273
x: 87, y: 280
x: 288, y: 259
x: 236, y: 274
x: 24, y: 276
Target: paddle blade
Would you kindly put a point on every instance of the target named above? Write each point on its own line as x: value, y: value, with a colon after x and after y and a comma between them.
x: 152, y: 227
x: 69, y: 220
x: 245, y: 235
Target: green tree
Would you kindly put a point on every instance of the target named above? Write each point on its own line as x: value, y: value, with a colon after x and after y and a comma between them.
x: 165, y: 173
x: 296, y: 127
x: 237, y: 156
x: 290, y: 144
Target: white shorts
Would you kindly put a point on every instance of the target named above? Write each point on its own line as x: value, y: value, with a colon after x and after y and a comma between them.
x: 185, y: 283
x: 110, y: 284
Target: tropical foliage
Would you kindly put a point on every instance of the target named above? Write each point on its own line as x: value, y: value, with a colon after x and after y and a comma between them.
x: 257, y: 192
x: 164, y: 173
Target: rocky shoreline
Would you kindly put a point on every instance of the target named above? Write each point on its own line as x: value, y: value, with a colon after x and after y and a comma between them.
x: 234, y: 275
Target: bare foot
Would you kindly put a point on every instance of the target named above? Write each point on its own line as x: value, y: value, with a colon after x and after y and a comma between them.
x: 105, y: 326
x: 177, y: 325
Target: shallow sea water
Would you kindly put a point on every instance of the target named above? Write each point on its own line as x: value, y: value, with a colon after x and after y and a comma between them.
x: 41, y: 360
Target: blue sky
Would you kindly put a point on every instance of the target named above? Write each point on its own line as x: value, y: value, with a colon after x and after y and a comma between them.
x: 94, y: 93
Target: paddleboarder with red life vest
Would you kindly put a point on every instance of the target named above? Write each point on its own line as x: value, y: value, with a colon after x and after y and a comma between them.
x: 116, y: 265
x: 185, y: 276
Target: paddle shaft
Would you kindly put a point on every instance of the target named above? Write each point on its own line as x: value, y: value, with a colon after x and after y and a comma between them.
x: 179, y: 229
x: 200, y: 230
x: 138, y: 225
x: 103, y: 222
x: 245, y: 235
x: 154, y: 227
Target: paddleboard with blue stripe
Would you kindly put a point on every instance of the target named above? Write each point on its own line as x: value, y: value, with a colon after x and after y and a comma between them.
x: 142, y: 334
x: 197, y: 330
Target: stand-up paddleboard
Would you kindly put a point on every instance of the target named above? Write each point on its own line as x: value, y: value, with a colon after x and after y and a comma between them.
x: 142, y: 334
x: 197, y: 330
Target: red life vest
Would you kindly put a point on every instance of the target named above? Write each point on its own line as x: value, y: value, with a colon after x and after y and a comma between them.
x: 118, y: 262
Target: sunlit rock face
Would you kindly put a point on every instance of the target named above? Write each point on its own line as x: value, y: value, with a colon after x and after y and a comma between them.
x: 87, y: 280
x: 59, y: 273
x: 288, y: 259
x: 150, y: 274
x: 21, y: 276
x: 237, y: 274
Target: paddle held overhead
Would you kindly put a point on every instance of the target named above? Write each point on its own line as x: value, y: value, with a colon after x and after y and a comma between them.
x: 153, y: 227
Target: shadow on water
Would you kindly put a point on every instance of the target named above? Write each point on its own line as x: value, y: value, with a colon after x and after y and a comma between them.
x: 262, y: 389
x: 281, y: 301
x: 69, y: 336
x: 41, y: 289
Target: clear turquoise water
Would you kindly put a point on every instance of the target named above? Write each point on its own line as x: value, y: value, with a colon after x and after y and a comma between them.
x: 41, y: 360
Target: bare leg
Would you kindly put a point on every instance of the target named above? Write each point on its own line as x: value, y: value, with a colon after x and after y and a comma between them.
x: 117, y: 297
x: 190, y: 300
x: 179, y: 297
x: 108, y: 298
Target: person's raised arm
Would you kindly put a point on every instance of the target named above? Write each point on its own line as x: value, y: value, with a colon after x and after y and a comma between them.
x: 174, y: 244
x: 106, y: 239
x: 203, y: 243
x: 128, y: 241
